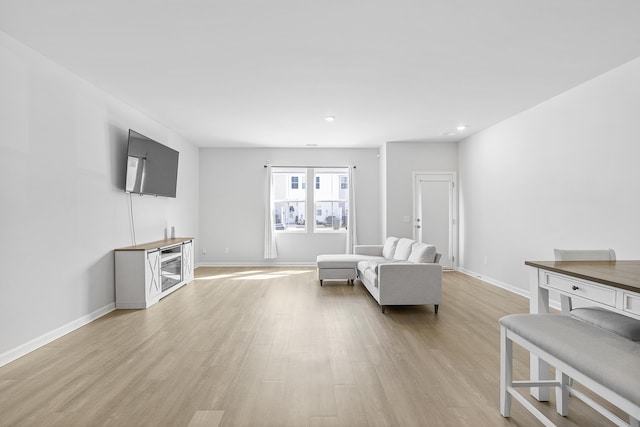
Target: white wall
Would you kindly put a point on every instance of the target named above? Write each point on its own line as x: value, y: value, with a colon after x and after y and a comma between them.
x: 563, y: 174
x: 62, y: 166
x: 402, y: 160
x: 232, y: 183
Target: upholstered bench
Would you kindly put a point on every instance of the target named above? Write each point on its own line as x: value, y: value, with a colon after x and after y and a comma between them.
x: 620, y: 324
x: 338, y: 266
x: 606, y: 363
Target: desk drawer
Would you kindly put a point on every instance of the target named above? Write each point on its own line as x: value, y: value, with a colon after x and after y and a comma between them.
x: 631, y: 303
x: 581, y: 289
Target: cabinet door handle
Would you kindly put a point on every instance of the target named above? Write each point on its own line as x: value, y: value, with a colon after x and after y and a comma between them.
x: 575, y: 288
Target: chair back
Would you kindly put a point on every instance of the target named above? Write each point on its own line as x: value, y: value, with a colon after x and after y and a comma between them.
x: 584, y: 255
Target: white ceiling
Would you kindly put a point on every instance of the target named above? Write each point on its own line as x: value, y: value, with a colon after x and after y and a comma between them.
x: 266, y: 73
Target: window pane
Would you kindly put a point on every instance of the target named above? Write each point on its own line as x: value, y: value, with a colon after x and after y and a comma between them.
x: 289, y: 200
x: 289, y: 215
x: 331, y: 216
x: 331, y: 200
x: 331, y: 186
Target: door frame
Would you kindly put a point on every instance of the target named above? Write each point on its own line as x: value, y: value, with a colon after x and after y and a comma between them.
x: 451, y: 176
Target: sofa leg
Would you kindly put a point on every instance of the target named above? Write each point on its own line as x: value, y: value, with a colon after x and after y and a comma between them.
x: 435, y: 307
x: 320, y: 282
x: 382, y: 308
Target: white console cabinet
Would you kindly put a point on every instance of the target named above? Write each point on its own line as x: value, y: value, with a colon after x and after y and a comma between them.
x: 145, y: 273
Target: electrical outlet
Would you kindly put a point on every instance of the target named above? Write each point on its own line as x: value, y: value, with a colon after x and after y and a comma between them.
x: 204, y: 251
x: 226, y: 250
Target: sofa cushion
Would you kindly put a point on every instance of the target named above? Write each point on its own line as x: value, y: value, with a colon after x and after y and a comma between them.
x: 371, y: 277
x: 374, y: 263
x: 421, y: 252
x: 403, y: 249
x: 339, y: 260
x: 389, y: 247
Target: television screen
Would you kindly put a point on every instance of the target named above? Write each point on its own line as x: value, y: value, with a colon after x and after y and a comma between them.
x: 152, y: 168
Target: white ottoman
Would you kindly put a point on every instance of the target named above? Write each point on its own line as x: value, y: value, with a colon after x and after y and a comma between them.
x: 338, y: 266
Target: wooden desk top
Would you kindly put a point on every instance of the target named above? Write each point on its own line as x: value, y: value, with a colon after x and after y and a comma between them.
x: 156, y: 245
x: 618, y: 274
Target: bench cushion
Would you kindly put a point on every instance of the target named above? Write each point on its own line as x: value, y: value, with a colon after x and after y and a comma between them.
x: 620, y: 324
x: 605, y: 357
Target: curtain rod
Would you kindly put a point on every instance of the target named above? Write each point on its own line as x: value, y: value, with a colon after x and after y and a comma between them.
x: 307, y: 166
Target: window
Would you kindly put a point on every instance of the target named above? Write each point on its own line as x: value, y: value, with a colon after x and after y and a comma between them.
x: 328, y: 206
x: 289, y: 199
x: 331, y: 200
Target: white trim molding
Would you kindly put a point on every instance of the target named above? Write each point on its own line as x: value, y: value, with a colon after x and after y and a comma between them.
x: 36, y: 343
x: 514, y: 289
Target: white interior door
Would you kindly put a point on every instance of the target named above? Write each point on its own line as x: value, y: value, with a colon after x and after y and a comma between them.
x: 435, y: 213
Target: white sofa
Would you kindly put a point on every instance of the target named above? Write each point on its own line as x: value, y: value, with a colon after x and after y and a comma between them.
x: 400, y: 272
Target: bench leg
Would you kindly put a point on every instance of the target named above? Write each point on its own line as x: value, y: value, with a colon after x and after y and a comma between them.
x: 565, y: 305
x: 320, y: 282
x: 562, y: 393
x: 506, y: 372
x: 538, y: 368
x: 435, y: 308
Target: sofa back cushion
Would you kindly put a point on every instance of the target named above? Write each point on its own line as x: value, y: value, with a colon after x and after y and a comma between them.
x: 389, y: 247
x: 403, y: 249
x: 421, y: 252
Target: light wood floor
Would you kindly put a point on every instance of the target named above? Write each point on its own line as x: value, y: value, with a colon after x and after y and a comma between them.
x: 269, y: 346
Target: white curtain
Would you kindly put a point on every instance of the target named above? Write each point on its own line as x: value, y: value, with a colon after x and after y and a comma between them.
x: 270, y: 250
x: 352, y: 235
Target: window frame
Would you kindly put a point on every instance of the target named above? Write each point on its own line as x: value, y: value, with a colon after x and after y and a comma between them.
x: 311, y: 199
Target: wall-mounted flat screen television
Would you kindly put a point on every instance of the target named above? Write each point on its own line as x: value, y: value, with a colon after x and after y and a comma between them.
x: 152, y: 168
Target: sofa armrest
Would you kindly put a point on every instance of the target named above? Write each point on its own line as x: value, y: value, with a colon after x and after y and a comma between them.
x: 370, y: 250
x: 405, y: 282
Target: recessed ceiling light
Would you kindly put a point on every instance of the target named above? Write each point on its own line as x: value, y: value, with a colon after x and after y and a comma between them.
x: 451, y: 133
x: 330, y: 118
x: 312, y: 145
x: 461, y: 127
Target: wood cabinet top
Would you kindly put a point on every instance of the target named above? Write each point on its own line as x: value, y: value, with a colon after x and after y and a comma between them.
x: 618, y: 274
x: 159, y: 244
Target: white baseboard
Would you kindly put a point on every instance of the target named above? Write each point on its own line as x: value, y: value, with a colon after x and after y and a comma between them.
x: 45, y: 339
x: 505, y: 286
